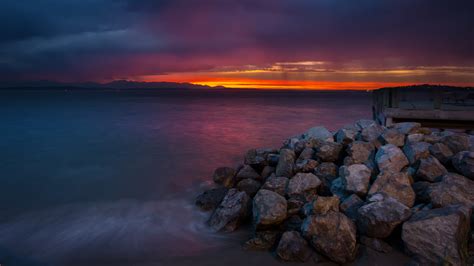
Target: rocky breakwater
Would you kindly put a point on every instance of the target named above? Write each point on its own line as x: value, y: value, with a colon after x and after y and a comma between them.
x: 326, y: 194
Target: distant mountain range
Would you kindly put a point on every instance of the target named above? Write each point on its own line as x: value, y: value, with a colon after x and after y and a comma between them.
x: 118, y: 84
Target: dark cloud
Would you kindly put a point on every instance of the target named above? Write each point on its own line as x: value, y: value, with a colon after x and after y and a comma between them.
x: 103, y: 39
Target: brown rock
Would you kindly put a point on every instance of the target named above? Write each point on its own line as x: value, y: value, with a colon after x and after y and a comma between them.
x: 293, y: 247
x: 269, y: 208
x: 463, y: 162
x: 233, y: 209
x: 430, y: 169
x: 285, y: 166
x: 224, y: 176
x: 395, y: 185
x: 390, y: 158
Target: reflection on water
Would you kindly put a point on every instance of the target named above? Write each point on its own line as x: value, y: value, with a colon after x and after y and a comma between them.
x: 111, y: 176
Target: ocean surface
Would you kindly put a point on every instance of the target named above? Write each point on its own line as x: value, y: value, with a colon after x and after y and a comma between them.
x: 109, y: 177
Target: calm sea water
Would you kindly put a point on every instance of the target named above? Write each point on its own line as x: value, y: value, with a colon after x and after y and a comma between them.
x: 98, y: 178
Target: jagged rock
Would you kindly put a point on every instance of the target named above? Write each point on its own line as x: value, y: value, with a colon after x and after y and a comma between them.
x: 332, y: 234
x: 359, y: 152
x: 379, y: 218
x: 291, y: 143
x: 407, y: 127
x: 306, y: 154
x: 416, y: 137
x: 267, y: 171
x: 293, y: 247
x: 210, y: 199
x: 453, y: 189
x: 346, y: 136
x: 319, y: 133
x: 441, y: 152
x: 248, y: 172
x: 272, y: 159
x: 306, y: 166
x: 303, y: 184
x: 326, y: 172
x: 355, y: 178
x: 276, y: 184
x: 338, y: 189
x: 268, y: 208
x: 395, y: 185
x: 350, y: 206
x: 295, y: 204
x: 438, y: 236
x: 430, y: 169
x: 363, y: 123
x: 392, y: 136
x: 463, y: 162
x: 432, y: 138
x: 233, y: 209
x: 328, y: 151
x: 390, y: 158
x: 371, y: 132
x: 322, y: 205
x: 415, y: 151
x: 456, y: 142
x: 256, y: 158
x: 224, y: 176
x: 249, y: 186
x: 262, y: 241
x: 285, y: 163
x: 376, y: 244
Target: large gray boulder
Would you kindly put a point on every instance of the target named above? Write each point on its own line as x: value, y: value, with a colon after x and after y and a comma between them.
x: 319, y: 133
x: 372, y: 132
x: 224, y: 176
x: 327, y: 151
x: 293, y: 247
x: 363, y: 123
x: 249, y: 186
x: 390, y: 158
x: 392, y: 136
x: 345, y: 136
x: 441, y: 152
x: 276, y: 184
x: 407, y: 127
x: 453, y: 189
x: 210, y: 199
x: 269, y: 208
x: 395, y: 185
x: 303, y: 184
x: 438, y: 236
x: 456, y: 142
x: 332, y: 234
x: 359, y: 152
x: 355, y: 178
x: 379, y: 218
x: 463, y: 162
x: 416, y: 151
x: 430, y: 169
x: 233, y: 209
x: 286, y: 161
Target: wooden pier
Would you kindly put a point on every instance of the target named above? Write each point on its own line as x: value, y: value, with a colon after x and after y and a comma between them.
x: 432, y: 106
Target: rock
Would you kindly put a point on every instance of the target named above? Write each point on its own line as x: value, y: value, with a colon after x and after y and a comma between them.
x: 249, y: 186
x: 392, y: 136
x: 333, y: 235
x: 285, y: 164
x: 390, y: 158
x: 417, y: 137
x: 267, y: 171
x: 346, y: 136
x: 338, y: 189
x: 376, y: 244
x: 323, y: 205
x: 326, y: 172
x: 350, y: 206
x: 293, y: 223
x: 430, y: 169
x: 355, y: 178
x: 210, y: 199
x: 306, y: 154
x: 395, y: 185
x: 371, y: 132
x: 463, y: 162
x: 233, y: 209
x: 272, y: 159
x: 303, y: 184
x: 328, y: 151
x: 441, y: 152
x: 306, y: 166
x: 415, y: 151
x: 224, y: 176
x: 379, y: 218
x: 407, y: 127
x: 262, y: 241
x: 256, y: 158
x: 453, y: 189
x: 421, y: 191
x: 363, y: 123
x: 320, y: 133
x: 359, y: 151
x: 456, y: 142
x: 248, y: 172
x: 432, y: 138
x: 276, y: 184
x: 438, y: 236
x: 295, y: 204
x: 269, y: 208
x: 293, y: 247
x: 291, y: 143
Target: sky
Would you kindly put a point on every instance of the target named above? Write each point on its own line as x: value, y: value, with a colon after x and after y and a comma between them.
x: 296, y: 44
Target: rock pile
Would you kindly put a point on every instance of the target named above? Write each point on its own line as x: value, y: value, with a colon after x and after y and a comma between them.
x: 329, y: 193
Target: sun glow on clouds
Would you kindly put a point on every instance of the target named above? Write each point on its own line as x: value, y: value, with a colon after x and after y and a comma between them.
x: 319, y: 75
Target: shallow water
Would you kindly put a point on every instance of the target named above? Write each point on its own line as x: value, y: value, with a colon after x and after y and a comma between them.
x: 109, y: 177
